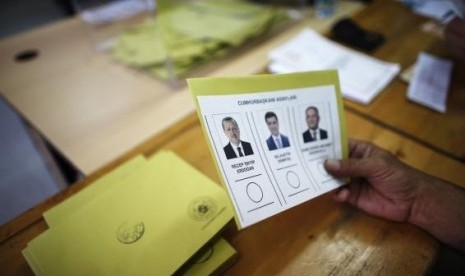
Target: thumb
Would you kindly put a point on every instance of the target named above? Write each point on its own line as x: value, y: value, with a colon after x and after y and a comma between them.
x: 348, y: 167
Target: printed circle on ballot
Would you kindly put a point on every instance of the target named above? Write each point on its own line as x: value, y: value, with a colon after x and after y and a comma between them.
x: 254, y: 192
x: 321, y: 168
x: 293, y: 179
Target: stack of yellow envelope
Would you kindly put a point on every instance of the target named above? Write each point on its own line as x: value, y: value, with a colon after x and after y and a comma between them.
x: 147, y: 217
x: 192, y: 33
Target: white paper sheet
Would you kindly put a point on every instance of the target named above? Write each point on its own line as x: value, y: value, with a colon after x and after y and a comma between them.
x: 430, y: 82
x: 443, y: 11
x: 117, y: 10
x: 266, y: 182
x: 362, y: 77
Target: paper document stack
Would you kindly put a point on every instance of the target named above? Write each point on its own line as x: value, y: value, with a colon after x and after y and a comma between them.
x: 144, y: 218
x: 362, y: 77
x: 192, y: 33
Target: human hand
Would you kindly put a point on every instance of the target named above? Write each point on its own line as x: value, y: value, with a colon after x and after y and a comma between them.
x: 454, y: 34
x: 380, y: 184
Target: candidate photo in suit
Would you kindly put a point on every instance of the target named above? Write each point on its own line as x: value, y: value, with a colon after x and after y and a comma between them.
x: 236, y: 147
x: 313, y: 133
x: 276, y: 139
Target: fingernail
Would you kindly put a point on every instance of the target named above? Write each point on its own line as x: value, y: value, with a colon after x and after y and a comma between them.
x: 333, y: 164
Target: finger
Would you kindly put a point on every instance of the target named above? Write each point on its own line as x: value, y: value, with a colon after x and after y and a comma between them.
x: 341, y: 194
x: 349, y: 167
x: 359, y: 149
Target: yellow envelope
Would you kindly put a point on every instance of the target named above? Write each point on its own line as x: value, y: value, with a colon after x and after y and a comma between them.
x: 149, y: 224
x: 61, y: 212
x: 183, y: 34
x: 213, y: 259
x: 31, y: 261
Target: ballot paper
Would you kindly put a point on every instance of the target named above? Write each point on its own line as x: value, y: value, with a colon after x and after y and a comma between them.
x: 362, y: 77
x: 265, y: 176
x: 429, y: 85
x: 150, y: 222
x: 182, y: 34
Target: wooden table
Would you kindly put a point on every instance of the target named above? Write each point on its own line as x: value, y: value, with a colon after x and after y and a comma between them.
x: 94, y: 110
x: 444, y: 133
x: 320, y: 237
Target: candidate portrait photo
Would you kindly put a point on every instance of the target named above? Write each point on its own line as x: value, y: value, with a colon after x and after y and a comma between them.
x: 235, y: 147
x: 276, y: 140
x: 314, y: 132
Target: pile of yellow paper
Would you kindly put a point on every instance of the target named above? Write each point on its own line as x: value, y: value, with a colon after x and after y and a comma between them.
x: 182, y: 36
x: 144, y: 218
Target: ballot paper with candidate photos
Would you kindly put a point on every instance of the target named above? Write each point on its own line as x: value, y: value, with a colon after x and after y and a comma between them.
x: 270, y: 136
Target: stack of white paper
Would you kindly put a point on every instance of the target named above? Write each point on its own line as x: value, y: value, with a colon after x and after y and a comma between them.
x: 362, y: 77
